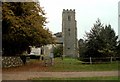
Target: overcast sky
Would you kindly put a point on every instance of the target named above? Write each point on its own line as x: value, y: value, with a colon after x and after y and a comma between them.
x: 87, y: 12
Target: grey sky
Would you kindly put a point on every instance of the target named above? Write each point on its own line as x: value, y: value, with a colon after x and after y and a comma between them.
x: 87, y: 12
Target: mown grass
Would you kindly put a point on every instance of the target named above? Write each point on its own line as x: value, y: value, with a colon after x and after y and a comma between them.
x: 79, y: 78
x: 69, y: 64
x: 73, y: 65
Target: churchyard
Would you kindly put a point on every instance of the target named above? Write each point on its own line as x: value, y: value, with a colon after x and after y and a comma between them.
x: 67, y: 65
x: 70, y: 64
x: 24, y: 36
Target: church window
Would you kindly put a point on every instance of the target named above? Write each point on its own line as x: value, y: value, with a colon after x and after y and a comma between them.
x: 69, y: 18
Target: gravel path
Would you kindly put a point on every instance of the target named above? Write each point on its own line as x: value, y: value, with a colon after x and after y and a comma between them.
x: 29, y: 75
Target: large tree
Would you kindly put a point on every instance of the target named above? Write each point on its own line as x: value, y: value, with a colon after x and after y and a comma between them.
x: 101, y: 41
x: 109, y: 41
x: 93, y: 40
x: 23, y: 26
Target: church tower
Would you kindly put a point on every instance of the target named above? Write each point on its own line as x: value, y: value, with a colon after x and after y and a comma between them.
x: 69, y: 32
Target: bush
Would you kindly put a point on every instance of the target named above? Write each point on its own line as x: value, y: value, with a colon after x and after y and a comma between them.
x: 58, y: 51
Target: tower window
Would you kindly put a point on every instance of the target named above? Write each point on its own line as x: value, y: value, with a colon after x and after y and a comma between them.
x: 69, y: 29
x: 69, y: 18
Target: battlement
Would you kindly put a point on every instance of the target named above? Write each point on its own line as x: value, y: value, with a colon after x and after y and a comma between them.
x: 68, y: 10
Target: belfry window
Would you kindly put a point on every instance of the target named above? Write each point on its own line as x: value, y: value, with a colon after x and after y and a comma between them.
x: 69, y: 18
x: 69, y: 29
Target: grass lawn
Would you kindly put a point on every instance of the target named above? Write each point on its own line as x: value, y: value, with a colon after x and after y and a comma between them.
x: 66, y: 65
x: 78, y: 78
x: 69, y: 64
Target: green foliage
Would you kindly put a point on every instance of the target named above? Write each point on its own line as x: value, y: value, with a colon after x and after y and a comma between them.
x: 23, y: 26
x: 82, y: 47
x: 101, y: 42
x: 58, y: 51
x: 118, y: 49
x: 109, y: 40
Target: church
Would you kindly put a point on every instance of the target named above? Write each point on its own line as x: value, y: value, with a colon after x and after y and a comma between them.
x: 68, y: 36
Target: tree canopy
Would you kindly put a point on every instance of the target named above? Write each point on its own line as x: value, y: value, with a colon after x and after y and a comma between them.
x: 23, y: 25
x: 101, y: 41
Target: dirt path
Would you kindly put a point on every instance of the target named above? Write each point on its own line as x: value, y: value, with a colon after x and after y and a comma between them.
x: 29, y: 75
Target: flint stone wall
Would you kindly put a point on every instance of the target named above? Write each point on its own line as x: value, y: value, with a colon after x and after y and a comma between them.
x: 11, y: 62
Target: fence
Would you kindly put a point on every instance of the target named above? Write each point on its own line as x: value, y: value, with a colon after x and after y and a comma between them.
x: 92, y: 60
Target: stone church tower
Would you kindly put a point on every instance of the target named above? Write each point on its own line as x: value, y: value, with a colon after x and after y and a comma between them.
x: 69, y: 32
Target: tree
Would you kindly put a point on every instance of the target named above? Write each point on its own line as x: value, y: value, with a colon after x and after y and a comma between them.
x: 82, y: 49
x: 93, y: 40
x: 58, y: 51
x: 118, y: 49
x: 100, y: 42
x: 109, y: 40
x: 23, y: 26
